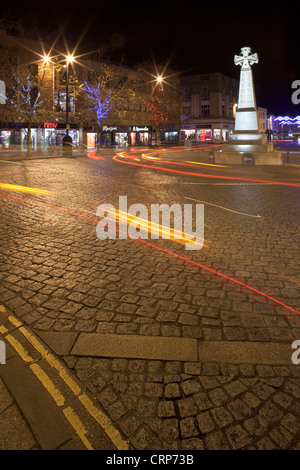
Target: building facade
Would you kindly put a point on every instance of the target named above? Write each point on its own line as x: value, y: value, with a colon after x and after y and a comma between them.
x: 208, y: 107
x: 128, y: 122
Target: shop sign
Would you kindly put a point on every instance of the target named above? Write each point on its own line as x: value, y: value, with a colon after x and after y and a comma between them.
x: 50, y: 125
x: 141, y: 129
x: 109, y: 129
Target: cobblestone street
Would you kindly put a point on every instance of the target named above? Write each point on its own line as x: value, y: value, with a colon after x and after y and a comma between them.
x: 199, y: 343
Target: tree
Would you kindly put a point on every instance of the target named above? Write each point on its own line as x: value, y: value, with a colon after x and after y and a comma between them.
x: 101, y: 102
x: 162, y: 109
x: 29, y: 98
x: 109, y: 92
x: 29, y: 82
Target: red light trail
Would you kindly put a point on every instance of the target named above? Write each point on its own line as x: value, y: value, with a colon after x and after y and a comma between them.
x: 93, y: 156
x: 224, y: 276
x: 203, y: 175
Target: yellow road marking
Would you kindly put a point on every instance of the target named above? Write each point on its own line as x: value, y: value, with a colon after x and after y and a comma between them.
x: 24, y: 189
x: 77, y: 425
x: 52, y: 361
x: 2, y: 309
x: 104, y: 422
x: 63, y: 374
x: 33, y: 340
x: 48, y: 384
x: 14, y: 321
x: 3, y: 329
x: 58, y: 397
x: 19, y: 348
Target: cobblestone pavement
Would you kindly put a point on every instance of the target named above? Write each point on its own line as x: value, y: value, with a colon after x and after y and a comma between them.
x: 56, y: 275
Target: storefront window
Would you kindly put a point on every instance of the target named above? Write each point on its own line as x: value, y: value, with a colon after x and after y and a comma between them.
x: 187, y: 134
x: 91, y: 140
x: 217, y: 135
x: 143, y: 138
x: 33, y: 138
x: 225, y: 134
x: 133, y: 138
x: 204, y: 134
x: 171, y: 136
x: 5, y: 138
x: 121, y: 139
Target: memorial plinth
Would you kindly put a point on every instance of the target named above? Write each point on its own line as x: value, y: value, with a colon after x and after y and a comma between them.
x: 246, y: 141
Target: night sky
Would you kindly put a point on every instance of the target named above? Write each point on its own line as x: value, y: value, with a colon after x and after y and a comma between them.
x: 195, y: 36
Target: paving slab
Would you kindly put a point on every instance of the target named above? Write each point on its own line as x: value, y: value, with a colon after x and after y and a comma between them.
x: 138, y: 347
x: 60, y: 342
x: 238, y: 352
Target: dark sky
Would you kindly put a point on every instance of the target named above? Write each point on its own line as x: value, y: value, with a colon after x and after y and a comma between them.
x: 196, y: 36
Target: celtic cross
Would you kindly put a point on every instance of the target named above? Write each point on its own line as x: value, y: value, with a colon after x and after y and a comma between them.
x: 246, y: 60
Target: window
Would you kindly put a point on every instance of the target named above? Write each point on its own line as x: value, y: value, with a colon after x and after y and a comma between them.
x: 205, y: 110
x: 223, y: 94
x: 60, y: 101
x: 205, y: 93
x: 223, y: 110
x: 187, y: 94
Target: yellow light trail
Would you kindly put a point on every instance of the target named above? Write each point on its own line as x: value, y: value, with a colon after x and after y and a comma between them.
x: 159, y: 229
x: 24, y: 189
x: 206, y: 164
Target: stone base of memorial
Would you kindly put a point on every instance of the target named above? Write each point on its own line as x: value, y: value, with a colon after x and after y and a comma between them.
x: 248, y: 148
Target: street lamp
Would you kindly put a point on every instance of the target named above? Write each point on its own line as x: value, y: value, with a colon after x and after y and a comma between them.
x: 67, y: 140
x: 69, y: 60
x: 234, y: 109
x: 159, y: 80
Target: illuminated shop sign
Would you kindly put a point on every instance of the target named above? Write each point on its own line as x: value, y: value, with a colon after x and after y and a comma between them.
x: 50, y: 125
x: 109, y: 129
x: 141, y: 129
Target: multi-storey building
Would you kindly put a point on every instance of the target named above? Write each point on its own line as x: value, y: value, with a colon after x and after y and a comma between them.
x: 208, y: 106
x: 127, y: 123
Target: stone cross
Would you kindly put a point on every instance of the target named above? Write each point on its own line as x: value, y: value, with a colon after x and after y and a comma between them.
x: 246, y: 60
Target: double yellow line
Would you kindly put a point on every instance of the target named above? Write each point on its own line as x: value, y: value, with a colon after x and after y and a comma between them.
x: 55, y: 393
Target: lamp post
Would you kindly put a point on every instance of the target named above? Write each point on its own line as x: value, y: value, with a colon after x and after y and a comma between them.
x: 67, y: 140
x: 69, y: 60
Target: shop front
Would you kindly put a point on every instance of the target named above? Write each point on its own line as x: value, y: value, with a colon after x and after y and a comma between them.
x: 171, y: 134
x: 52, y: 133
x: 204, y: 134
x: 91, y: 140
x: 10, y: 137
x: 188, y: 132
x: 140, y: 135
x: 116, y: 136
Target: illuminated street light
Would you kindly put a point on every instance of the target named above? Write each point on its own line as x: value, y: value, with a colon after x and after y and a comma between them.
x: 160, y: 80
x: 69, y: 60
x: 67, y: 140
x: 234, y: 109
